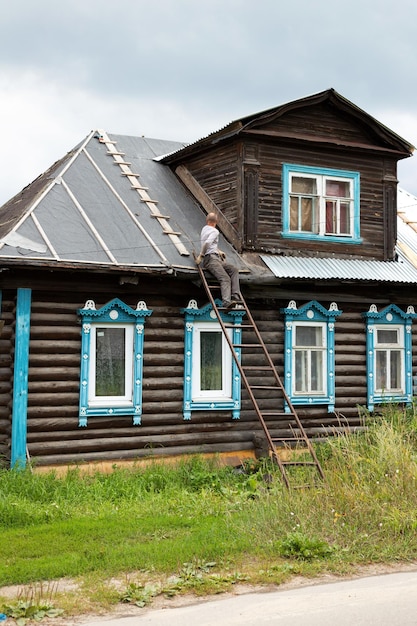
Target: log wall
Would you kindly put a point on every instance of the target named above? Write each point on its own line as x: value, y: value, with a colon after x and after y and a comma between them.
x: 53, y: 433
x: 6, y: 374
x: 228, y: 175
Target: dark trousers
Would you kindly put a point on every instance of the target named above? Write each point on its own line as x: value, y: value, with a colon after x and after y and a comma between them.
x: 226, y: 273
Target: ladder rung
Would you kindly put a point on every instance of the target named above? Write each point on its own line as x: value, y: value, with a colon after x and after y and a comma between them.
x: 171, y: 232
x: 247, y: 345
x: 130, y: 174
x: 257, y: 368
x: 264, y: 386
x: 307, y: 463
x: 121, y: 163
x: 149, y: 200
x: 116, y: 153
x: 276, y: 440
x: 160, y: 216
x: 291, y: 423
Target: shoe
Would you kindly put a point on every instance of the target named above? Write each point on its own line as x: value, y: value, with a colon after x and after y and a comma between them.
x: 237, y: 297
x: 230, y: 305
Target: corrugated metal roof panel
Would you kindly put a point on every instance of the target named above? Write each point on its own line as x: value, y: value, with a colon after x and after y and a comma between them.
x: 340, y: 269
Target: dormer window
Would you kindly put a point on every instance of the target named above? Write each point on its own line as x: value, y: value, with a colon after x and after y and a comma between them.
x: 320, y: 203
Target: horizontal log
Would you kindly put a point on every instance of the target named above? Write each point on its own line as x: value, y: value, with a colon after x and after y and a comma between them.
x: 54, y: 373
x: 135, y: 443
x: 162, y: 358
x: 5, y: 372
x: 146, y: 453
x: 43, y: 318
x: 43, y: 360
x: 53, y: 347
x: 52, y: 386
x: 56, y: 430
x: 53, y: 399
x: 5, y: 387
x: 55, y: 332
x: 156, y: 384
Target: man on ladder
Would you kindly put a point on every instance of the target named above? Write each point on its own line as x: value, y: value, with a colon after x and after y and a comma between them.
x: 214, y: 261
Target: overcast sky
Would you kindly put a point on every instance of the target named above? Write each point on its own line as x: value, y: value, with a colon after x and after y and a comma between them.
x: 180, y: 69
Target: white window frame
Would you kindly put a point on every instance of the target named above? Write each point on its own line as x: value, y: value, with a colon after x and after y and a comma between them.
x: 386, y: 348
x: 127, y: 398
x: 113, y: 314
x: 225, y: 392
x: 391, y: 317
x: 229, y: 396
x: 321, y: 176
x: 309, y: 349
x: 312, y: 314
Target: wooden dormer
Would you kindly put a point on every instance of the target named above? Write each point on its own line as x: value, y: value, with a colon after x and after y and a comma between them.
x: 316, y: 176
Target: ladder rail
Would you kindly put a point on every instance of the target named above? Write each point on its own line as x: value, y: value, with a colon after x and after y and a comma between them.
x: 248, y: 387
x: 244, y: 378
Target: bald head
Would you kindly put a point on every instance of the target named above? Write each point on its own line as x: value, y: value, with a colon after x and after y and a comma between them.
x: 211, y: 219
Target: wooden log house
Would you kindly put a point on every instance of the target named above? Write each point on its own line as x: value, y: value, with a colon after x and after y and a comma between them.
x: 99, y: 288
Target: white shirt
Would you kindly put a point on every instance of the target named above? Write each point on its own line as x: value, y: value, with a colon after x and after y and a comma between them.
x: 209, y: 240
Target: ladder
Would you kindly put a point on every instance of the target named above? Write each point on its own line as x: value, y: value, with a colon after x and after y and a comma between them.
x: 294, y: 442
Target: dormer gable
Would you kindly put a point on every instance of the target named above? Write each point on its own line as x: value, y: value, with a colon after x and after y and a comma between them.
x: 317, y: 174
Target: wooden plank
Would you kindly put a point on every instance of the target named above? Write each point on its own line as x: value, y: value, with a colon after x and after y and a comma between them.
x: 208, y: 205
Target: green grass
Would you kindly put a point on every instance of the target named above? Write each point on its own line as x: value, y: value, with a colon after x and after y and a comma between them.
x: 203, y: 527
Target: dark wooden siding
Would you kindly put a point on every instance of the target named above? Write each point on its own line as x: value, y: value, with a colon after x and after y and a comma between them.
x: 228, y: 175
x: 219, y: 175
x: 54, y: 365
x: 323, y: 121
x: 6, y: 373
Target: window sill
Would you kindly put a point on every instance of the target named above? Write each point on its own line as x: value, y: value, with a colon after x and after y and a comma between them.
x: 328, y: 238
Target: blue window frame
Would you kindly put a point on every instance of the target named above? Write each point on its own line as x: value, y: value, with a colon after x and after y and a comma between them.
x: 309, y: 353
x: 211, y: 376
x: 112, y: 360
x: 389, y: 355
x: 320, y: 203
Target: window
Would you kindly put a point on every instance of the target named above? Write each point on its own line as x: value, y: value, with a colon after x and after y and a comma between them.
x: 111, y: 360
x: 320, y: 203
x: 211, y: 376
x: 212, y: 363
x: 389, y: 358
x: 309, y: 353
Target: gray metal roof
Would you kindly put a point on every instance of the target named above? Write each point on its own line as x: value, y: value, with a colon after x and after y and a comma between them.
x: 112, y: 203
x: 340, y: 269
x: 108, y: 202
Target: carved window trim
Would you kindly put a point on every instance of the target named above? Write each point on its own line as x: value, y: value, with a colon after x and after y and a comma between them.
x: 193, y: 318
x: 310, y: 314
x: 393, y: 317
x: 118, y: 313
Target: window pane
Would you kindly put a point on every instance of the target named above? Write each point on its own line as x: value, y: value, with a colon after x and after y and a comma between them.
x: 316, y: 371
x: 344, y: 226
x: 210, y: 361
x: 395, y: 366
x: 301, y: 214
x: 387, y: 336
x: 303, y: 185
x: 331, y: 216
x: 294, y: 214
x: 301, y: 369
x: 110, y: 361
x: 308, y: 335
x: 337, y: 189
x: 381, y: 370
